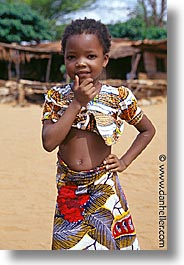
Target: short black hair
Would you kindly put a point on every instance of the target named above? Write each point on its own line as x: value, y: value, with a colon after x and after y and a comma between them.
x: 88, y: 26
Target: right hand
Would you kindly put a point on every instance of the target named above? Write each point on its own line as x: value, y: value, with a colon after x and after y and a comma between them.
x: 84, y: 91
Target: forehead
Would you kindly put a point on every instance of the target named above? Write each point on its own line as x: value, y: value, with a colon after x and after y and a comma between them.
x: 83, y: 41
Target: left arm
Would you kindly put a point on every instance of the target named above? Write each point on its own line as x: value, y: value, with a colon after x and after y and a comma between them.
x: 146, y: 132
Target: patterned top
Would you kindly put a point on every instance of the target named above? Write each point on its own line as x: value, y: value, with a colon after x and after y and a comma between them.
x: 103, y: 115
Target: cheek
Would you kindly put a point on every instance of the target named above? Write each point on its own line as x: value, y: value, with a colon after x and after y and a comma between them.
x: 69, y: 67
x: 99, y: 68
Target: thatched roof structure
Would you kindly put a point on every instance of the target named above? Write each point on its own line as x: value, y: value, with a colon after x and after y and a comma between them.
x: 120, y: 48
x: 19, y: 54
x: 153, y: 45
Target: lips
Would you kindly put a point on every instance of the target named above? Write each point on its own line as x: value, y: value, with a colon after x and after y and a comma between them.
x: 81, y: 73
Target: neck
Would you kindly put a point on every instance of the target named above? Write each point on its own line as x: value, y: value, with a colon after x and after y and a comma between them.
x: 98, y: 85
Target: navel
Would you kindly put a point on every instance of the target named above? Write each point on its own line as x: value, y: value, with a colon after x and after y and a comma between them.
x: 80, y: 162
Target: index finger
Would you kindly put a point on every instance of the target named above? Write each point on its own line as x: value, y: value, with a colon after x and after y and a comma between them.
x: 76, y: 82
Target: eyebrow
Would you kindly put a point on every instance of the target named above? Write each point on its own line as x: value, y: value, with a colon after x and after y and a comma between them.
x: 86, y: 51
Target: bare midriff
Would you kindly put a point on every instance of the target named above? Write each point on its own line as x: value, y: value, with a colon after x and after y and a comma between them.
x: 83, y: 150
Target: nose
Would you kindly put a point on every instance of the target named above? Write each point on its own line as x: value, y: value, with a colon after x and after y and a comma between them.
x: 80, y: 63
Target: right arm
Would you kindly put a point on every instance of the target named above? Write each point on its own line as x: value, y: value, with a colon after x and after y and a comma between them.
x: 53, y: 134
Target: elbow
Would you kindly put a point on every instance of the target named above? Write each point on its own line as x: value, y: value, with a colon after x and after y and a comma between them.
x: 48, y: 147
x: 47, y: 141
x: 152, y: 132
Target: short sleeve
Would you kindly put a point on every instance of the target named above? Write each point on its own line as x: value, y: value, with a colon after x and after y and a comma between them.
x: 129, y: 109
x: 50, y: 107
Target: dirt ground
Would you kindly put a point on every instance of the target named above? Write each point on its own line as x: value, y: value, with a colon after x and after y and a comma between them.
x: 27, y: 180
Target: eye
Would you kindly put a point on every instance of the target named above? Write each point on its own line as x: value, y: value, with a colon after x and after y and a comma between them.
x: 70, y: 57
x: 92, y: 56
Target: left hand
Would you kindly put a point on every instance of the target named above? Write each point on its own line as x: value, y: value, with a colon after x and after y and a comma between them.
x: 113, y: 163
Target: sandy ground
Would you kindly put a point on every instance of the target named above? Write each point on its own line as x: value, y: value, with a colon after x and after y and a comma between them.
x: 27, y: 180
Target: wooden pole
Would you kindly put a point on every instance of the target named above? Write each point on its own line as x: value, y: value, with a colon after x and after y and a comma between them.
x: 9, y: 70
x: 48, y: 68
x: 21, y: 94
x: 17, y: 65
x: 134, y: 66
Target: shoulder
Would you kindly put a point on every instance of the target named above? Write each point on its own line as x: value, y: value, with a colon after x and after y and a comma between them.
x: 57, y: 92
x: 122, y: 92
x: 125, y: 93
x: 107, y: 89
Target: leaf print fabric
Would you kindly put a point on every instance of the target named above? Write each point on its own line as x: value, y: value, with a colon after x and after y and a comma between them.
x: 70, y: 204
x: 92, y: 212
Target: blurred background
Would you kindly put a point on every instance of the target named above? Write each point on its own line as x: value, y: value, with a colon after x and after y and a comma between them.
x: 30, y: 47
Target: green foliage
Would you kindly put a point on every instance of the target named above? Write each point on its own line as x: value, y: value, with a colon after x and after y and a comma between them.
x: 155, y: 33
x: 135, y: 29
x: 131, y: 29
x: 49, y: 9
x: 59, y: 29
x: 53, y: 9
x: 18, y: 22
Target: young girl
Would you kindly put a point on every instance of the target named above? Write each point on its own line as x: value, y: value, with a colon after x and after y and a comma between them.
x: 84, y: 119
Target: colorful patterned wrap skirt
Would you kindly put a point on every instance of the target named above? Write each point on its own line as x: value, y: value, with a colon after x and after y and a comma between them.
x: 91, y: 212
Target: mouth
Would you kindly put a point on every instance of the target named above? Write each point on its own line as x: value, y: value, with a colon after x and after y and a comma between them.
x: 83, y: 73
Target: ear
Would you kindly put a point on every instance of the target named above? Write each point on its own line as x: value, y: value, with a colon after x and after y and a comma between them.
x: 106, y: 59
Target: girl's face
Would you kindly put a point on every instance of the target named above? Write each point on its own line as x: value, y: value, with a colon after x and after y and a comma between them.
x: 84, y: 57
